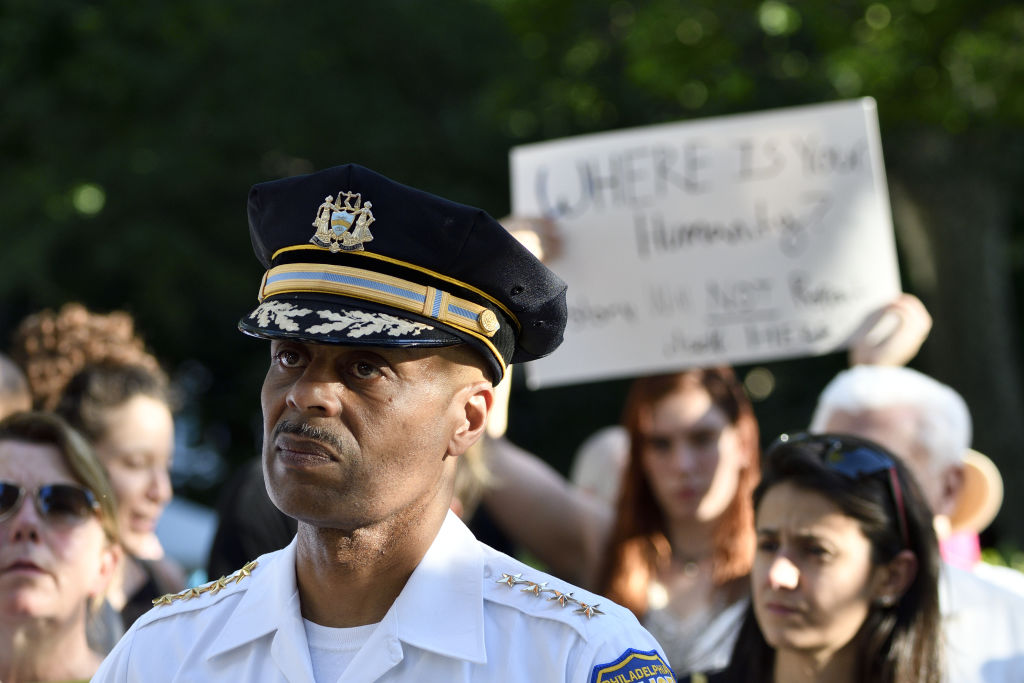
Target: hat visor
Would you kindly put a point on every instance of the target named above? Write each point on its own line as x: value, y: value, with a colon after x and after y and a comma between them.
x: 981, y: 495
x: 338, y: 320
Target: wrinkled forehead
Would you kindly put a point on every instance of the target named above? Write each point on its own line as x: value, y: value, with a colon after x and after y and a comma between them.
x: 800, y: 512
x: 32, y: 464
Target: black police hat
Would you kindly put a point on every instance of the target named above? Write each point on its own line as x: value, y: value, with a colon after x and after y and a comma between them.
x: 355, y: 258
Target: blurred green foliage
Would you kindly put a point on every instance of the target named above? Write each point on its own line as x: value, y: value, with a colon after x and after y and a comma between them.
x: 1005, y: 557
x: 132, y: 131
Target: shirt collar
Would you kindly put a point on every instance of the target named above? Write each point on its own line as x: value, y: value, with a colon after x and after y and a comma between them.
x: 271, y: 603
x: 448, y: 583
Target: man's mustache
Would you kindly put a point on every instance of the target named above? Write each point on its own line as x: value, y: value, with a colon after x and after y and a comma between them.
x: 308, y: 431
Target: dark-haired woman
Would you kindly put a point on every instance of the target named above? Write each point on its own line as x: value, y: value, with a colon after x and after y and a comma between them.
x: 845, y: 578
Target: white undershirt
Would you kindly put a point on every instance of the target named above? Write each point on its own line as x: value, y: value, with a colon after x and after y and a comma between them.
x: 332, y: 649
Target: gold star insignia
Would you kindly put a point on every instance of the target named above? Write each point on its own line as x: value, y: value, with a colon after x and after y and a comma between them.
x: 562, y: 598
x: 219, y: 585
x: 589, y: 610
x: 214, y: 587
x: 509, y: 579
x: 164, y: 599
x: 245, y: 571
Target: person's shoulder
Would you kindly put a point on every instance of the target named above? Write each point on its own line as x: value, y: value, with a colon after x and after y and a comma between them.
x: 201, y: 597
x: 1005, y: 577
x: 608, y: 641
x: 608, y: 638
x: 199, y: 622
x: 212, y: 596
x: 963, y: 591
x: 539, y: 595
x: 966, y: 582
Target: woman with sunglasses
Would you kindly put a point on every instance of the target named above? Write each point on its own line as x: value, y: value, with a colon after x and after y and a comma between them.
x: 845, y: 577
x: 92, y: 369
x: 58, y: 548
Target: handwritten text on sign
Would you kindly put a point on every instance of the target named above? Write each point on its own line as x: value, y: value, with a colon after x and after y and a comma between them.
x: 736, y: 239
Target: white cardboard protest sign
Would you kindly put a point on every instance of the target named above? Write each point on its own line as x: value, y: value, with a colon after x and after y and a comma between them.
x: 727, y: 240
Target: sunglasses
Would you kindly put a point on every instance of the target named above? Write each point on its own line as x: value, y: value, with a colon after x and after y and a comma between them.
x: 55, y: 503
x: 856, y: 462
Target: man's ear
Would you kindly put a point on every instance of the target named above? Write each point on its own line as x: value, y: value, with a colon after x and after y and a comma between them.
x: 951, y: 482
x: 895, y: 577
x: 472, y: 404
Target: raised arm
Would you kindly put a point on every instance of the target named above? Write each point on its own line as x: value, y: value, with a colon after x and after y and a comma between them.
x: 539, y: 509
x: 528, y: 499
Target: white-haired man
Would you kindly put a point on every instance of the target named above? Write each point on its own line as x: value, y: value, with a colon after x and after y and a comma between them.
x: 927, y: 424
x: 920, y: 419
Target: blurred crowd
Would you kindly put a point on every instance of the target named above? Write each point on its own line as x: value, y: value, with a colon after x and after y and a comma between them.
x: 848, y: 551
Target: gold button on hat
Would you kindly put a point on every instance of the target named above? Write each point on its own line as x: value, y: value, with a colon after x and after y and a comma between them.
x: 488, y: 321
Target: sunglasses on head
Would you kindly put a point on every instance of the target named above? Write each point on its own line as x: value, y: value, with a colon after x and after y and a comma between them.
x: 856, y: 461
x: 59, y: 503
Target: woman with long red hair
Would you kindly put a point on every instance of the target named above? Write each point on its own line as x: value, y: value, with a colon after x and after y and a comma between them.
x: 682, y: 543
x: 679, y: 545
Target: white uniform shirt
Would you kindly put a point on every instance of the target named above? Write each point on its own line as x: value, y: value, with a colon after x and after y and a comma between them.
x: 457, y: 619
x: 1004, y: 577
x: 983, y: 629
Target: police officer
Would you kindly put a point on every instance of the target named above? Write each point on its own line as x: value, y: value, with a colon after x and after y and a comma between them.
x: 391, y: 313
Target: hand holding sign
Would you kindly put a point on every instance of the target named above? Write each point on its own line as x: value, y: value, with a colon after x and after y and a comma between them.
x: 893, y: 334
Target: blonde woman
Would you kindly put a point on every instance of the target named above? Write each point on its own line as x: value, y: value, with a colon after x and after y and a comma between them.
x: 92, y: 369
x: 58, y: 548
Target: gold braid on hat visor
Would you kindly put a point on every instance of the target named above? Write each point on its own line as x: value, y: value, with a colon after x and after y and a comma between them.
x: 378, y: 288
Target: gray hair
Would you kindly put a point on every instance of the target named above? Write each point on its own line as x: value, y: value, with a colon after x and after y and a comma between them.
x: 944, y: 423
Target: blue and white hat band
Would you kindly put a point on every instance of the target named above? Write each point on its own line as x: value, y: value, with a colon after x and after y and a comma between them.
x: 387, y: 290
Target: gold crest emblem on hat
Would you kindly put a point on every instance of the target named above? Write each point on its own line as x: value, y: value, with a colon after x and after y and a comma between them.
x: 343, y: 224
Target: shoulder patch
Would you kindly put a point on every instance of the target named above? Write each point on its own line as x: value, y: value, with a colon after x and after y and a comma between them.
x: 642, y: 666
x: 212, y: 587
